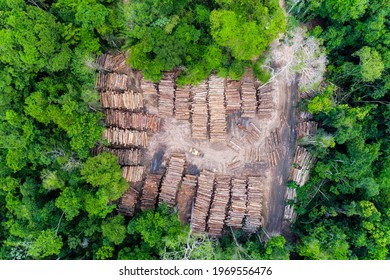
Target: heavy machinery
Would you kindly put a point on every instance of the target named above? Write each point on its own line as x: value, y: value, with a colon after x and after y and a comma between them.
x: 196, y: 152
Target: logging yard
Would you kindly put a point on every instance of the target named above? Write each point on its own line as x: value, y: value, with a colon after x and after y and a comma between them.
x: 220, y: 152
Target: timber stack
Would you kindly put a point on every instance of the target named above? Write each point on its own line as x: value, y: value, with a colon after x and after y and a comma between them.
x: 129, y: 120
x: 202, y: 201
x: 172, y: 179
x: 128, y: 202
x: 248, y: 95
x: 303, y: 160
x: 113, y: 63
x: 125, y: 137
x: 273, y: 147
x: 148, y: 87
x: 253, y: 217
x: 306, y: 128
x: 132, y: 101
x: 199, y: 114
x: 133, y: 173
x: 185, y: 197
x: 216, y: 105
x: 166, y: 95
x: 182, y: 103
x: 219, y: 205
x: 266, y: 106
x: 233, y: 96
x: 238, y: 200
x: 150, y: 191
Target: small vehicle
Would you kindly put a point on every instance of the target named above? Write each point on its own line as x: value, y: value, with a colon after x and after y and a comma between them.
x: 196, y: 152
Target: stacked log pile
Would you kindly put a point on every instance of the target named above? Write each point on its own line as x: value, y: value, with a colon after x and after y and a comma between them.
x: 182, y: 103
x: 219, y: 205
x: 199, y: 112
x: 266, y: 105
x: 273, y: 147
x: 303, y: 160
x: 148, y: 87
x: 126, y: 156
x: 112, y: 81
x: 150, y: 191
x: 128, y: 202
x: 172, y: 180
x: 238, y: 200
x: 248, y: 95
x: 306, y: 128
x: 289, y: 213
x: 129, y: 120
x: 233, y: 96
x: 253, y: 217
x: 166, y: 95
x: 202, y: 201
x: 128, y: 100
x: 185, y: 197
x: 125, y: 137
x: 133, y: 173
x: 114, y: 63
x: 216, y: 104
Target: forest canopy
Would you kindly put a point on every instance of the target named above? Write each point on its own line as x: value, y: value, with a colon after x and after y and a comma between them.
x: 200, y: 36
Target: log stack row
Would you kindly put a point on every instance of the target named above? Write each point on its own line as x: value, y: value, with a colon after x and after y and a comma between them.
x: 266, y: 105
x: 125, y: 137
x: 202, y: 201
x: 272, y: 144
x: 238, y: 199
x: 172, y: 180
x: 182, y: 103
x: 129, y: 120
x: 233, y: 96
x: 306, y: 128
x: 128, y: 100
x: 128, y: 202
x: 303, y: 160
x: 253, y: 217
x: 166, y: 95
x: 150, y: 191
x: 112, y: 81
x: 248, y: 95
x: 148, y: 87
x: 185, y: 197
x: 219, y: 205
x: 133, y: 173
x: 199, y: 112
x: 216, y: 104
x: 113, y: 63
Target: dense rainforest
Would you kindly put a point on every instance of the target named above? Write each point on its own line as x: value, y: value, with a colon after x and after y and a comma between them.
x: 58, y: 202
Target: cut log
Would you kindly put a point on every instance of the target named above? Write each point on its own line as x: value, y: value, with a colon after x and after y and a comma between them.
x: 199, y: 112
x: 150, y: 191
x: 202, y: 202
x: 118, y: 137
x: 219, y: 205
x: 172, y: 180
x: 128, y: 100
x: 182, y: 103
x: 129, y: 120
x: 216, y: 105
x: 253, y: 217
x: 238, y: 200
